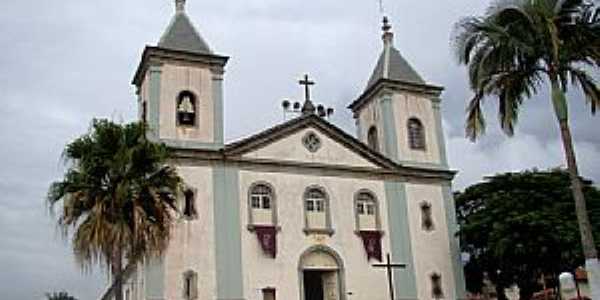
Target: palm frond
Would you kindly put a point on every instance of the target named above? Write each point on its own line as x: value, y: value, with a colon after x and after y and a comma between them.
x: 475, y: 124
x: 589, y: 86
x: 118, y: 195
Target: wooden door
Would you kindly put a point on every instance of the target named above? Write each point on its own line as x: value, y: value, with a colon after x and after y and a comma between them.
x: 330, y: 286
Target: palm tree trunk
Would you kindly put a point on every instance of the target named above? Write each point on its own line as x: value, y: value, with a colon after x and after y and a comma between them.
x: 117, y: 270
x: 585, y: 228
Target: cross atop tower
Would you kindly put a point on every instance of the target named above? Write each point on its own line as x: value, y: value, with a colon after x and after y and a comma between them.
x: 180, y: 6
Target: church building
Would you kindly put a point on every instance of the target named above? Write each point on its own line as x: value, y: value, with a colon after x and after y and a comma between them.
x: 302, y: 210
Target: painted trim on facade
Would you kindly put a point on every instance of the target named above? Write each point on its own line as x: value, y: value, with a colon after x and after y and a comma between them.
x: 400, y: 240
x: 228, y: 240
x: 455, y: 256
x: 155, y: 74
x: 218, y: 110
x: 358, y: 129
x: 190, y: 144
x: 425, y: 165
x: 389, y: 128
x: 441, y: 141
x: 412, y: 174
x: 154, y: 279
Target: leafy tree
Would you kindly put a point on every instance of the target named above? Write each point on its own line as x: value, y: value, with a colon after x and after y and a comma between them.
x: 59, y: 296
x: 118, y: 197
x: 524, y: 226
x: 516, y: 47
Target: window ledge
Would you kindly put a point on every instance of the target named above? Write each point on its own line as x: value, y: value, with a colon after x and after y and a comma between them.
x: 357, y: 232
x: 327, y: 231
x: 189, y: 218
x: 252, y: 227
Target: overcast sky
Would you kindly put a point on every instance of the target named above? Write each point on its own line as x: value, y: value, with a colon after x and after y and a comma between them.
x: 65, y: 62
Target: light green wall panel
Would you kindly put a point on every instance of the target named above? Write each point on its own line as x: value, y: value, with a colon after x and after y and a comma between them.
x: 437, y: 115
x: 228, y: 243
x: 153, y: 112
x: 459, y: 277
x: 154, y: 272
x: 389, y: 128
x: 217, y: 86
x: 404, y: 279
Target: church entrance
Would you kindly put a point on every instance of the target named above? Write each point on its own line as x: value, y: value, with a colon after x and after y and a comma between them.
x: 313, y: 285
x: 321, y: 285
x: 321, y: 276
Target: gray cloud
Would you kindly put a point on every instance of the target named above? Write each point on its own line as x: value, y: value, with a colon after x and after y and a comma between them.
x: 65, y: 62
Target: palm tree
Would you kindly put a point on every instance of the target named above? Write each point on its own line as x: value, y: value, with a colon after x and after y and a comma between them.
x: 118, y: 197
x: 514, y: 49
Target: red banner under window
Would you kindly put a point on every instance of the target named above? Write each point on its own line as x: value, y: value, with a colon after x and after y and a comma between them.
x: 267, y: 237
x: 372, y: 243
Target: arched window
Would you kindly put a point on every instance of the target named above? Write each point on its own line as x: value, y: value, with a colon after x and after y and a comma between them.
x: 190, y: 285
x: 316, y: 209
x: 437, y: 292
x: 261, y: 203
x: 189, y: 204
x: 373, y: 139
x: 416, y: 134
x: 186, y: 109
x: 367, y: 211
x: 426, y: 217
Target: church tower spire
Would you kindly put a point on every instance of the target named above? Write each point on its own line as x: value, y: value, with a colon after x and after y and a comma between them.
x: 179, y: 83
x: 398, y: 113
x: 388, y: 44
x: 180, y: 6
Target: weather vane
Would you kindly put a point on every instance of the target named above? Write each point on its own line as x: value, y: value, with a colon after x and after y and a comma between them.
x: 381, y: 7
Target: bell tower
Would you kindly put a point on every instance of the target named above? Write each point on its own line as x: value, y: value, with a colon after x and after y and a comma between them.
x: 398, y: 114
x: 180, y: 87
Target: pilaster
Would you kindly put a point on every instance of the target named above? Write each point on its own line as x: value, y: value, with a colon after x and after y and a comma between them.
x: 154, y: 88
x: 390, y: 141
x: 217, y: 95
x: 441, y: 141
x: 400, y: 240
x: 228, y: 242
x: 455, y: 255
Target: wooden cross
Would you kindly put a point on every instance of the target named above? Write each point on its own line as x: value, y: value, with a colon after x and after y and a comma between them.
x: 390, y: 266
x: 306, y: 83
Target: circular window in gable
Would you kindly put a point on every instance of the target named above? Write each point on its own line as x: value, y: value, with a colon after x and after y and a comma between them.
x: 311, y: 142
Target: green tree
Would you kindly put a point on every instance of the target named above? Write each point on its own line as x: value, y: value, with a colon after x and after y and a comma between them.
x: 524, y: 225
x: 59, y: 296
x: 118, y: 197
x: 516, y: 47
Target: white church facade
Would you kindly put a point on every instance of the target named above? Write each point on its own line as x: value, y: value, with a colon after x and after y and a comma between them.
x: 302, y: 210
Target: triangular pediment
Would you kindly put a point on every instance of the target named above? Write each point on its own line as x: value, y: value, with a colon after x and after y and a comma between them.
x: 311, y: 140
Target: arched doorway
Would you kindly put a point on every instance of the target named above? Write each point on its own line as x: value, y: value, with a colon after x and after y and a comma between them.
x: 321, y: 273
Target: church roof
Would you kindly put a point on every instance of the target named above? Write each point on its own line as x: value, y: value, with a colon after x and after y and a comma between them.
x: 394, y: 67
x: 181, y: 35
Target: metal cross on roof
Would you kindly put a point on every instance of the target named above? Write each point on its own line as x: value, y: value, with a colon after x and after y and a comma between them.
x: 306, y: 83
x: 389, y: 266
